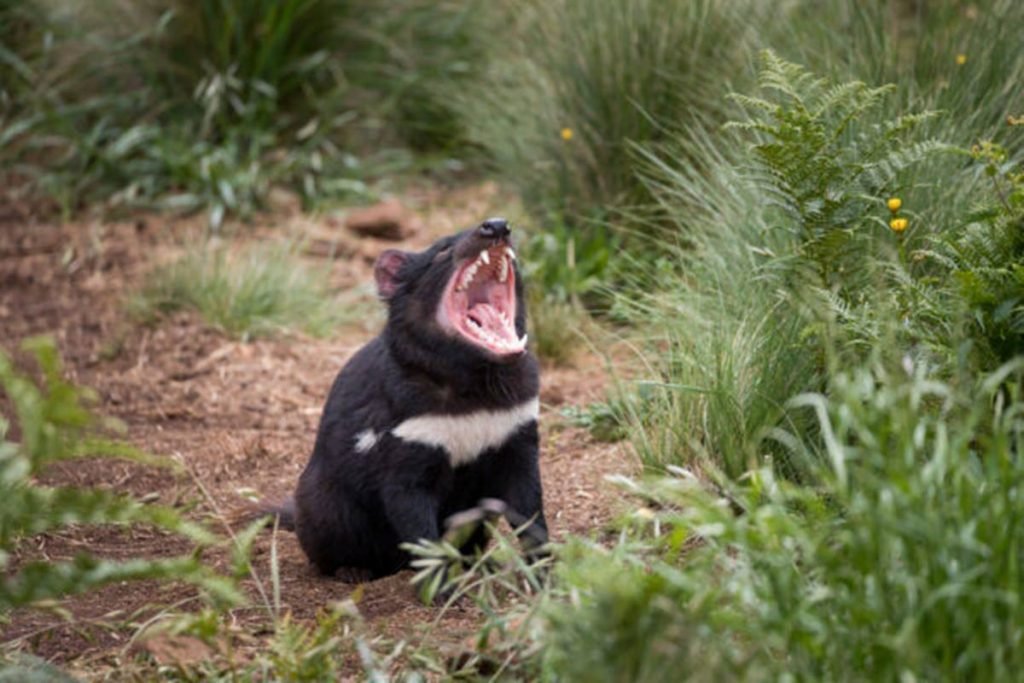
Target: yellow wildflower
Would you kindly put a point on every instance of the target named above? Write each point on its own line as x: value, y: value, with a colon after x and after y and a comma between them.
x: 1015, y: 120
x: 567, y: 133
x: 894, y: 204
x: 961, y: 59
x: 898, y: 224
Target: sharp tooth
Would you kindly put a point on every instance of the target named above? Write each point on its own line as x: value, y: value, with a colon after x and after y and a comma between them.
x: 522, y: 340
x: 511, y: 254
x: 503, y: 270
x: 485, y: 257
x: 468, y: 276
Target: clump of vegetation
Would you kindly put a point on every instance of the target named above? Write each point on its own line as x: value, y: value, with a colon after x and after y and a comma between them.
x: 576, y: 84
x: 177, y: 106
x: 780, y: 267
x: 986, y: 258
x: 901, y: 561
x: 826, y: 292
x: 411, y: 59
x: 555, y: 328
x: 259, y: 291
x: 54, y: 424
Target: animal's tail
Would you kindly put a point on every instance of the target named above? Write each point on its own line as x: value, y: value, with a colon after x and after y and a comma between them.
x: 283, y: 512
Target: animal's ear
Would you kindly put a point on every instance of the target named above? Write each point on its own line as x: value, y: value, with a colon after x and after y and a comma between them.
x: 386, y: 271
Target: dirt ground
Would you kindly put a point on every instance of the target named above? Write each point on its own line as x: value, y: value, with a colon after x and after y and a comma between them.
x: 240, y: 417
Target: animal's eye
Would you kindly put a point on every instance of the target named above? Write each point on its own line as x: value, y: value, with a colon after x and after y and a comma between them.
x: 443, y: 254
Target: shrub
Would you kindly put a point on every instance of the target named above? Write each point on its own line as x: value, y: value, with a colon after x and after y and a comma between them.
x: 55, y: 425
x: 826, y: 167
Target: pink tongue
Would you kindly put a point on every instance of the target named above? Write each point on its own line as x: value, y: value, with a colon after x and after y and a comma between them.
x: 491, y: 320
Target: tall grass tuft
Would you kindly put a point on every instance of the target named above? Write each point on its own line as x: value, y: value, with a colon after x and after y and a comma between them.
x: 575, y: 83
x: 730, y: 345
x: 957, y: 58
x: 260, y: 291
x: 21, y: 27
x: 409, y: 59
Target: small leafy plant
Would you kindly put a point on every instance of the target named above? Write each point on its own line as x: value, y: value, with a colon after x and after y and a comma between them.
x: 605, y: 421
x: 54, y: 424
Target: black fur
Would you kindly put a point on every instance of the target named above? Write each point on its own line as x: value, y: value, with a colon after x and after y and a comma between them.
x: 354, y: 509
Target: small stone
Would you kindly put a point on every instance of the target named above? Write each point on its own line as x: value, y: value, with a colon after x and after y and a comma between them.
x: 388, y: 220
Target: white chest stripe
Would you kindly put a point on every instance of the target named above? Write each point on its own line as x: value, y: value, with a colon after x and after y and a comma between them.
x: 465, y: 437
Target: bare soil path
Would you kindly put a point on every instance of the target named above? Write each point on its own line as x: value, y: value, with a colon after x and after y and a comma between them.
x: 239, y: 416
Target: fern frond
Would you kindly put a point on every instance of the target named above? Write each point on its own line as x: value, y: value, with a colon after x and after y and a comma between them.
x: 881, y: 172
x: 755, y: 103
x: 905, y: 123
x: 796, y: 83
x: 44, y: 580
x: 56, y: 425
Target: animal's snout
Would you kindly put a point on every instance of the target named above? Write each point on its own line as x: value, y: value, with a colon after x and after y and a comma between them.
x: 494, y: 228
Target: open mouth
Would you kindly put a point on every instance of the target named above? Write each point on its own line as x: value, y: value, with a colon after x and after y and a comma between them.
x: 479, y: 302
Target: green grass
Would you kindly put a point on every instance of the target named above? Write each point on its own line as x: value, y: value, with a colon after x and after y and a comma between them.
x: 410, y: 58
x: 609, y: 75
x: 259, y: 291
x: 903, y: 562
x: 855, y: 511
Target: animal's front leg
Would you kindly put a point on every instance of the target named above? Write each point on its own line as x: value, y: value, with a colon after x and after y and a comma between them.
x: 521, y: 489
x: 412, y: 492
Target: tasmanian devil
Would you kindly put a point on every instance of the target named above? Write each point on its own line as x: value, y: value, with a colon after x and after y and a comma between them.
x: 432, y: 416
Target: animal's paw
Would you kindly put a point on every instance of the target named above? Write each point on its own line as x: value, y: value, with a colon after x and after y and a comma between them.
x: 461, y: 526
